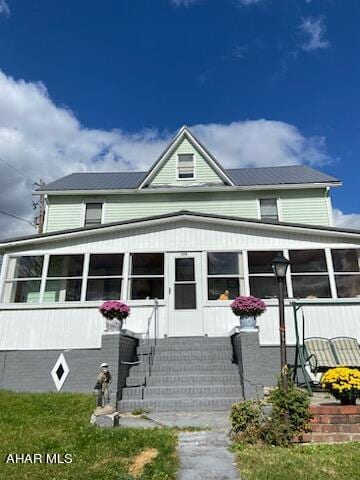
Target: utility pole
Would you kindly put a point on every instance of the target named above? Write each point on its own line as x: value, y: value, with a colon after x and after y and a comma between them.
x: 40, y: 206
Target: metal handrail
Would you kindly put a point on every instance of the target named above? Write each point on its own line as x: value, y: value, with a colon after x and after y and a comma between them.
x: 148, y: 344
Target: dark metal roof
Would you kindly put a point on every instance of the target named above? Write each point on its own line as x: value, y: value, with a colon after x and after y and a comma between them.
x: 293, y: 174
x: 96, y: 181
x: 179, y: 214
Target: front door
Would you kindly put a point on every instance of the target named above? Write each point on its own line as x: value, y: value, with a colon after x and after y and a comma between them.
x: 185, y: 295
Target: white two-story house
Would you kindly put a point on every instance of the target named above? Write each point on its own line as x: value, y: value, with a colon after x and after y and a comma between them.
x: 183, y: 232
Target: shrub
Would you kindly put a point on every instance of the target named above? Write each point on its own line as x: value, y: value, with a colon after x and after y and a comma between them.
x: 343, y: 383
x: 245, y: 421
x: 289, y: 417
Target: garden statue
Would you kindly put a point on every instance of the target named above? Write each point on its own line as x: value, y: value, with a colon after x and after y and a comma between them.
x: 102, y: 386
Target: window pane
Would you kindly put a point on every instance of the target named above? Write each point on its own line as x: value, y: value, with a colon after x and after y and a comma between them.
x: 307, y: 261
x: 217, y: 286
x: 105, y: 265
x: 220, y: 263
x: 25, y: 267
x: 268, y: 208
x: 66, y: 290
x: 264, y: 287
x: 93, y: 214
x: 147, y: 263
x: 308, y: 286
x: 147, y: 288
x: 346, y: 260
x: 347, y: 285
x: 184, y: 269
x: 260, y: 262
x: 66, y: 265
x: 185, y: 296
x: 103, y: 289
x: 22, y: 291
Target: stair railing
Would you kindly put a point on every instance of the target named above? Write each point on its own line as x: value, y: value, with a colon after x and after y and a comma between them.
x: 148, y: 343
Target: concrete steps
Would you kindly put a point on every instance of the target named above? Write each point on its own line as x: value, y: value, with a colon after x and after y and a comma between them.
x: 188, y: 374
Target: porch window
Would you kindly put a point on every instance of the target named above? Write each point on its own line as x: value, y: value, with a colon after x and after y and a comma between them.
x: 268, y: 209
x: 225, y: 273
x: 105, y: 277
x: 23, y: 279
x: 147, y: 276
x: 262, y: 281
x: 64, y: 278
x: 186, y: 165
x: 347, y: 272
x: 309, y: 274
x: 93, y: 214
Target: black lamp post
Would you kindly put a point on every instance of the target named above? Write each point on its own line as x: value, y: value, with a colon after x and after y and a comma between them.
x: 280, y: 265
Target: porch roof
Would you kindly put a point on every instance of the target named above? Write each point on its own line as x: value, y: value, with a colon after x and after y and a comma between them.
x: 266, y: 224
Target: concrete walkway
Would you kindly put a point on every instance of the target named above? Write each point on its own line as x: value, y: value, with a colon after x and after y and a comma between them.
x: 206, y: 456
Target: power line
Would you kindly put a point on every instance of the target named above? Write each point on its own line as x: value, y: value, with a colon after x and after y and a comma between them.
x: 16, y: 170
x: 15, y: 216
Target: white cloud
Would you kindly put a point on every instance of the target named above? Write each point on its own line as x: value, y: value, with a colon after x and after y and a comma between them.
x: 4, y: 8
x: 314, y: 30
x: 43, y: 140
x: 346, y: 220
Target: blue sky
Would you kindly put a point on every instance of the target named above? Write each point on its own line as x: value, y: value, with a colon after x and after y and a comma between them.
x: 90, y: 85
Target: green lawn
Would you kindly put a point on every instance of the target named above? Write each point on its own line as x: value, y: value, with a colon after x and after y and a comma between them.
x: 59, y: 423
x: 303, y: 462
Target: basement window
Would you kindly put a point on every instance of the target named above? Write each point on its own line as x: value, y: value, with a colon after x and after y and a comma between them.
x: 93, y: 214
x: 186, y: 165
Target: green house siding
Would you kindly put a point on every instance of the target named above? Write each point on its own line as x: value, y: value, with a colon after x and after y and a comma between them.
x: 307, y: 206
x: 297, y: 206
x: 64, y: 213
x: 224, y: 203
x: 204, y: 173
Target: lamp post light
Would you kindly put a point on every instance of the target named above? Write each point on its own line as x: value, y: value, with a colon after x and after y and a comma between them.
x: 280, y: 265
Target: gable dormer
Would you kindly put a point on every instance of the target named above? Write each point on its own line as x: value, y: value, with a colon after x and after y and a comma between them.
x: 185, y: 162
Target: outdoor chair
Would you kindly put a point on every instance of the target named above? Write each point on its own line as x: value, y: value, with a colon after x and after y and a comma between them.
x: 347, y: 351
x: 319, y: 355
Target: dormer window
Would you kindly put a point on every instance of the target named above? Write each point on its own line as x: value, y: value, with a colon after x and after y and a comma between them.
x: 93, y: 214
x: 186, y: 165
x: 269, y: 209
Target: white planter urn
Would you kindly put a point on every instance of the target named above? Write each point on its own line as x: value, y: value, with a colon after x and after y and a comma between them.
x: 114, y: 325
x: 247, y: 324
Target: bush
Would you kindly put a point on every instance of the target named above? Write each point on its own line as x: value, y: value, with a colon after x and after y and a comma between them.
x: 289, y: 417
x: 245, y: 421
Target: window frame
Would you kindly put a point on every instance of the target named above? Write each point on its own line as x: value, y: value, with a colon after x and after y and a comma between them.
x: 92, y: 201
x: 87, y: 276
x: 178, y: 155
x: 240, y: 275
x: 337, y: 273
x: 130, y: 276
x: 277, y: 204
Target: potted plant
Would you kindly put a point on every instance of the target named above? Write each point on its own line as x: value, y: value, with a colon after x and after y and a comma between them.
x: 248, y: 309
x: 115, y: 313
x: 343, y: 383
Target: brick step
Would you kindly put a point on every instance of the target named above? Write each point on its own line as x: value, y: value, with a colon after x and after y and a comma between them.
x: 330, y: 437
x: 216, y: 368
x: 179, y: 404
x: 187, y: 347
x: 188, y: 391
x: 209, y: 357
x: 188, y: 340
x: 335, y: 428
x: 335, y: 419
x: 158, y: 380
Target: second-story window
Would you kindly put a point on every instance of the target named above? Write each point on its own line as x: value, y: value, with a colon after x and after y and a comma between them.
x: 186, y: 165
x: 93, y: 214
x: 268, y: 209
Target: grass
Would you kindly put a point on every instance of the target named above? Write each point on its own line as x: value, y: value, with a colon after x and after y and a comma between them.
x: 59, y: 423
x: 305, y: 462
